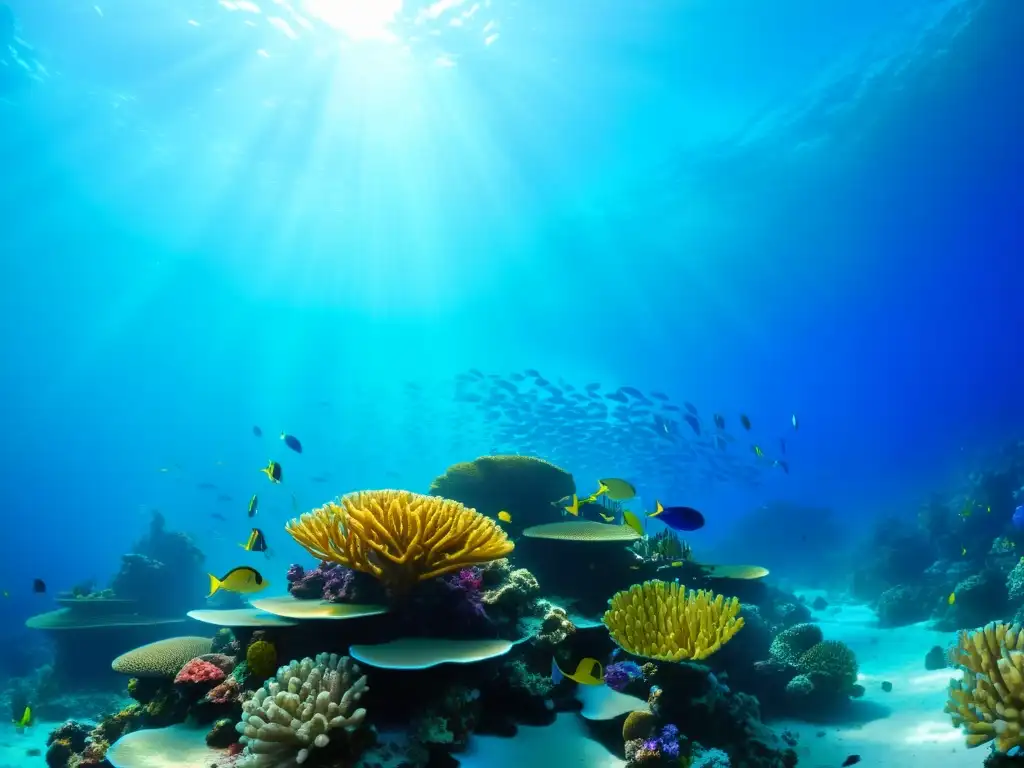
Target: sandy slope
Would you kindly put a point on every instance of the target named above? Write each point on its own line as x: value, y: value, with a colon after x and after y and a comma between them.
x: 901, y: 729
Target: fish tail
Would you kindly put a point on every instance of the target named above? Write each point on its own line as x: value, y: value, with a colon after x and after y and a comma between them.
x: 214, y: 585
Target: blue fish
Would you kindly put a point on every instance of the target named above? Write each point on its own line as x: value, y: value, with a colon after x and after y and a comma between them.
x: 678, y: 518
x: 292, y: 442
x: 1018, y: 518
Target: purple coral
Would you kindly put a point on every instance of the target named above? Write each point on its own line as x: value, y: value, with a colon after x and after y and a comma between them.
x: 620, y: 674
x: 467, y: 584
x: 333, y: 583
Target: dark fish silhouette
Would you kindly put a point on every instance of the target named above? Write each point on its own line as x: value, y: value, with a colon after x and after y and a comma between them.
x: 292, y: 442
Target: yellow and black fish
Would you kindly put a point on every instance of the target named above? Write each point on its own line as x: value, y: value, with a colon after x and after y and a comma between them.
x: 254, y: 505
x: 273, y: 472
x: 257, y: 542
x: 243, y: 580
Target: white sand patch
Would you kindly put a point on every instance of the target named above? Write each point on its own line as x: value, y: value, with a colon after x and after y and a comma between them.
x: 905, y: 727
x: 14, y: 746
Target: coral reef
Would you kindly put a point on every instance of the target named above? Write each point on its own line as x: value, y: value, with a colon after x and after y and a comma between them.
x: 306, y: 706
x: 400, y: 537
x: 987, y: 701
x: 661, y: 620
x: 333, y: 583
x: 523, y: 486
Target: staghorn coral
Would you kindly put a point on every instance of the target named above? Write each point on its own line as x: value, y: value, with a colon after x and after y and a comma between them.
x: 400, y: 537
x: 302, y: 708
x: 987, y: 702
x: 661, y: 620
x: 164, y: 658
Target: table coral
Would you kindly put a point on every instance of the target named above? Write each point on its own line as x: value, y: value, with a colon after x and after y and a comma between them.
x: 400, y: 537
x: 661, y: 620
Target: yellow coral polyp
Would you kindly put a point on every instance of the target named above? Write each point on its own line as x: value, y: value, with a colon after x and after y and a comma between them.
x: 988, y: 701
x: 400, y: 537
x: 660, y: 620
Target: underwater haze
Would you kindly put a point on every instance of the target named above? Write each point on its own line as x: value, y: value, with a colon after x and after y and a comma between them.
x: 321, y: 218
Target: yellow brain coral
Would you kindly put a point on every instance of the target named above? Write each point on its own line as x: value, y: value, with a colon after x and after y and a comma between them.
x: 659, y: 620
x: 989, y: 699
x: 399, y: 536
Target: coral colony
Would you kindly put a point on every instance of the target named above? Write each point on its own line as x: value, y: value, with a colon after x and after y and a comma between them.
x: 401, y: 584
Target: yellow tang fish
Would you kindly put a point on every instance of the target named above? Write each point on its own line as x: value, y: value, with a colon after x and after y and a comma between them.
x: 588, y: 672
x: 616, y: 489
x: 24, y: 721
x: 952, y: 598
x: 574, y: 508
x: 243, y: 580
x: 963, y: 551
x: 630, y: 519
x: 504, y: 516
x: 758, y: 452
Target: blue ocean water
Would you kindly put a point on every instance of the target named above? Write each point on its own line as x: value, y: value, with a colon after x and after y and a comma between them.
x: 220, y: 215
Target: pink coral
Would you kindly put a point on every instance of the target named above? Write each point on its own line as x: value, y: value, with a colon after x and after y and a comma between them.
x: 198, y: 672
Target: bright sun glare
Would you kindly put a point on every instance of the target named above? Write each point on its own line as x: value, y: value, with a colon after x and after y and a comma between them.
x: 357, y: 19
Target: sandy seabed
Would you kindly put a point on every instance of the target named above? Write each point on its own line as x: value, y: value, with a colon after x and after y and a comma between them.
x: 904, y: 728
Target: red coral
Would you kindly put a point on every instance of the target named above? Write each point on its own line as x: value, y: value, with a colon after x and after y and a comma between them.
x: 198, y: 671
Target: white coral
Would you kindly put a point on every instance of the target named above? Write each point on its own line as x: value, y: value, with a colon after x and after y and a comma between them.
x: 296, y: 711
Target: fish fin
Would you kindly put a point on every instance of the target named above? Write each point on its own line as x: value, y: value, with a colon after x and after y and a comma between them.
x: 557, y: 675
x: 658, y: 509
x: 214, y: 585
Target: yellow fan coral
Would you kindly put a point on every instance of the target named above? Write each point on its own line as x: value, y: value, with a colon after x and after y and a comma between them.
x: 399, y: 536
x: 660, y: 620
x: 989, y: 699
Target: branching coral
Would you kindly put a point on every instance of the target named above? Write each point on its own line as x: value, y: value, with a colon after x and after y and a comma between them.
x: 302, y: 708
x: 399, y: 536
x: 661, y: 620
x: 989, y: 699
